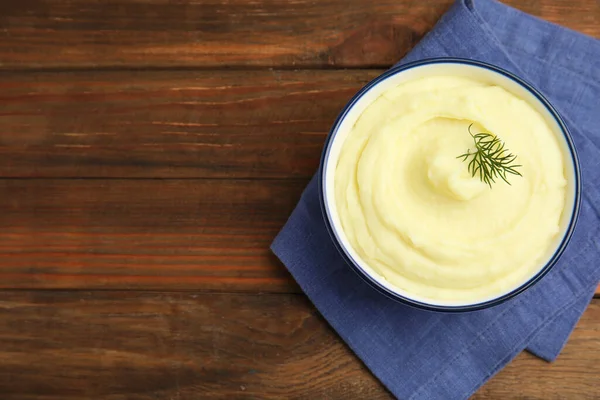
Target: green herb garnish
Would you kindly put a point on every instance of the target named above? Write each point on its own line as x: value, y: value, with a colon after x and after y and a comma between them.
x: 491, y: 159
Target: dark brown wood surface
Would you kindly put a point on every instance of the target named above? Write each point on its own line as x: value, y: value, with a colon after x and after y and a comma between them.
x: 177, y: 124
x: 145, y: 234
x: 136, y: 345
x: 150, y: 150
x: 220, y: 33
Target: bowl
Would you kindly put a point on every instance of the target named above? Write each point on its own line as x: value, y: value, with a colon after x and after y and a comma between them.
x: 461, y: 68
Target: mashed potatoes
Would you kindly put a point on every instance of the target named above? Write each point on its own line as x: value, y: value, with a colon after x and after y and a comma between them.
x: 412, y: 211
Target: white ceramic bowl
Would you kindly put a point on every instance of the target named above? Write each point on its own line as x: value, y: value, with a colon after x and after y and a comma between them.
x: 463, y: 68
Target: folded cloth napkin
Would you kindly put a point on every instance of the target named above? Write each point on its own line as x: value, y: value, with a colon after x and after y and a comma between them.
x: 426, y: 355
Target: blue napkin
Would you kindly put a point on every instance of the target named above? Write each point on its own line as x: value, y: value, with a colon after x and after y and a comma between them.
x: 426, y: 355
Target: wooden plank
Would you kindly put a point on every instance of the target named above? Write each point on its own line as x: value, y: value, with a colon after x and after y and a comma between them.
x: 243, y: 124
x: 150, y: 234
x: 144, y: 234
x: 116, y: 345
x: 159, y: 33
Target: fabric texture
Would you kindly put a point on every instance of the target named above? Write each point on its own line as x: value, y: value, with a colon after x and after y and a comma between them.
x: 426, y: 355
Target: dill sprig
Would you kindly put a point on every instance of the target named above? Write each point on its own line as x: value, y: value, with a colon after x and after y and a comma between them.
x: 490, y: 160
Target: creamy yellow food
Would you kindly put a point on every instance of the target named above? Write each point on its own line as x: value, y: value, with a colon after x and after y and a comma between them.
x: 413, y: 212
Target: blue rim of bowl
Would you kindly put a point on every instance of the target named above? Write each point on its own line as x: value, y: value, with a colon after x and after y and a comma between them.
x: 434, y: 307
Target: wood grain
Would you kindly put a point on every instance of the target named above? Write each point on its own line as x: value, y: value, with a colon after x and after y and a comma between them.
x: 117, y: 345
x: 234, y: 124
x: 266, y: 33
x: 150, y: 234
x: 144, y: 234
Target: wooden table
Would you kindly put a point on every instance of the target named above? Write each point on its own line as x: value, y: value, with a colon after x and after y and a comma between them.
x: 149, y: 152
